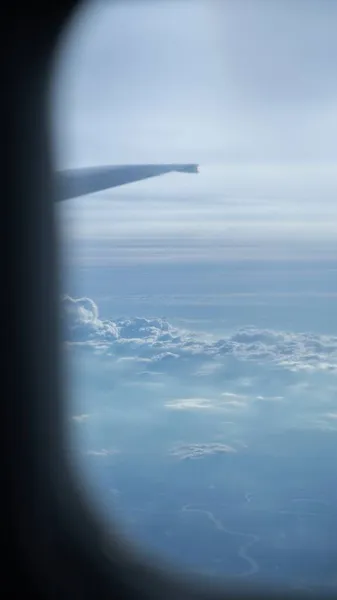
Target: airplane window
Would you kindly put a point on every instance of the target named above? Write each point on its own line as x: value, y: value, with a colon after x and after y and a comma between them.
x: 199, y: 308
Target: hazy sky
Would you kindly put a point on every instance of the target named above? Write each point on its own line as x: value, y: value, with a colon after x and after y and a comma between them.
x: 248, y: 89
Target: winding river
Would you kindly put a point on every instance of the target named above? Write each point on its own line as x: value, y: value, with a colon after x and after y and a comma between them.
x: 250, y: 539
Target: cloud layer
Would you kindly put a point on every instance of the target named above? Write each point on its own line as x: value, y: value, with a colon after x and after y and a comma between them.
x: 159, y: 346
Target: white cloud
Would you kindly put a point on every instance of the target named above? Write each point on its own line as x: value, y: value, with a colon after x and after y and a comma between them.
x: 82, y: 323
x: 235, y: 400
x: 270, y: 398
x: 195, y: 451
x: 223, y: 402
x: 80, y: 418
x: 190, y: 404
x: 103, y: 452
x: 166, y: 348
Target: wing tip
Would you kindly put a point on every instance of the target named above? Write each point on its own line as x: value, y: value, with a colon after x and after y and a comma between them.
x: 190, y: 168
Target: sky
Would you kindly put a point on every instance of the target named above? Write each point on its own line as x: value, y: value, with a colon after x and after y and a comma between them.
x: 211, y: 82
x: 245, y: 89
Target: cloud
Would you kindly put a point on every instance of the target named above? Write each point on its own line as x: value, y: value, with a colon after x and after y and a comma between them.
x: 270, y: 398
x: 235, y: 400
x: 82, y: 324
x: 80, y: 418
x: 195, y: 451
x: 223, y: 402
x: 103, y: 452
x: 189, y: 404
x: 331, y: 415
x: 165, y: 348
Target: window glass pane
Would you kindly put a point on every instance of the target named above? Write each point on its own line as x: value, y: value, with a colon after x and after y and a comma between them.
x: 200, y: 328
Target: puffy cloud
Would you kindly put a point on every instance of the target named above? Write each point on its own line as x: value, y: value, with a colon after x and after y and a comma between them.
x: 194, y: 451
x: 166, y: 347
x: 81, y: 321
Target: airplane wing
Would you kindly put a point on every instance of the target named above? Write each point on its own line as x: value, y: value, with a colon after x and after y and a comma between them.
x: 78, y: 182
